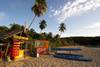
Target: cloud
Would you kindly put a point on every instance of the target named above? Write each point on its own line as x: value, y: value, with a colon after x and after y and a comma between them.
x: 50, y: 16
x: 50, y: 7
x: 95, y: 25
x: 82, y: 32
x: 16, y: 4
x: 3, y: 16
x: 75, y: 8
x: 56, y: 13
x: 52, y: 10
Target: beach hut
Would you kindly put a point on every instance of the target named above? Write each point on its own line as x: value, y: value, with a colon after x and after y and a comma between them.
x: 15, y: 38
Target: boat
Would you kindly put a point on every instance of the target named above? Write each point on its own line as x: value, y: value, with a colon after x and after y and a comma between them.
x: 72, y: 58
x: 67, y: 49
x: 75, y: 55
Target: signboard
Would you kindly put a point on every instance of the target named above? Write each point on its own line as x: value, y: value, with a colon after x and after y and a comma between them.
x: 15, y: 51
x: 39, y: 43
x: 18, y: 42
x: 41, y: 50
x: 20, y: 37
x: 41, y: 46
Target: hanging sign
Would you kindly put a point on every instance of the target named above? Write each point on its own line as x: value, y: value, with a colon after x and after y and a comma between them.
x: 40, y: 43
x: 20, y: 37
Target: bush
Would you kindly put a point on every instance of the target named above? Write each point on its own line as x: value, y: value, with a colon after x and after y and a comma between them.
x: 52, y: 45
x: 64, y: 42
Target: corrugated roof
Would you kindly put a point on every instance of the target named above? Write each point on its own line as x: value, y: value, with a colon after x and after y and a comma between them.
x: 9, y: 34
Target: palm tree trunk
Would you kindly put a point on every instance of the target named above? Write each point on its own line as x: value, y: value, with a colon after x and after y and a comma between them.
x: 60, y: 34
x: 31, y: 24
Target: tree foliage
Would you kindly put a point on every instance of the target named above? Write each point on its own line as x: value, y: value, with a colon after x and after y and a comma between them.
x: 40, y: 7
x: 55, y: 41
x: 15, y: 27
x: 62, y: 27
x: 42, y: 25
x: 4, y: 29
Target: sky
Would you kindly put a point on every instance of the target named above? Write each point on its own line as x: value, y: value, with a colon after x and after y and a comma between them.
x: 81, y: 17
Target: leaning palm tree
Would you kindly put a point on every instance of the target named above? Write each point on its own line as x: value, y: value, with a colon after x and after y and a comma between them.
x: 42, y: 25
x: 62, y: 28
x: 39, y: 8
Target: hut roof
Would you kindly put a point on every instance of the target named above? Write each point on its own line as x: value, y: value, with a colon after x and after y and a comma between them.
x: 9, y: 34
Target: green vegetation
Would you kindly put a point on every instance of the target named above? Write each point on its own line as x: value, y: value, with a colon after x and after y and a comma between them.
x: 54, y: 41
x: 42, y: 25
x: 62, y: 28
x: 93, y: 41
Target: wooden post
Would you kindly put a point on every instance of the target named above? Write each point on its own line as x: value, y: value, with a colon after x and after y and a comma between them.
x: 30, y: 49
x: 1, y: 49
x: 49, y: 49
x: 7, y: 49
x: 25, y: 50
x: 3, y: 52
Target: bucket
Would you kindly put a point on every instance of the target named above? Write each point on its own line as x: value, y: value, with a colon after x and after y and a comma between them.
x: 37, y: 54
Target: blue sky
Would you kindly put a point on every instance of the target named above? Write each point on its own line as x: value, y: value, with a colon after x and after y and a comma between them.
x: 82, y: 17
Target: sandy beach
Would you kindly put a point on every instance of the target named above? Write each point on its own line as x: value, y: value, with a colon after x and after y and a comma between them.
x: 50, y: 61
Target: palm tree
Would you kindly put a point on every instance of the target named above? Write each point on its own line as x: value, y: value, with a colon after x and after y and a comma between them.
x: 49, y: 36
x: 62, y: 28
x: 57, y: 37
x: 42, y: 25
x: 39, y: 8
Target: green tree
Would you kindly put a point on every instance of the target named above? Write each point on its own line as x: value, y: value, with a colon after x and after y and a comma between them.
x: 57, y: 37
x: 15, y: 27
x: 49, y: 37
x: 22, y: 27
x: 45, y: 34
x: 42, y: 25
x: 42, y: 36
x: 39, y: 8
x: 31, y: 32
x: 4, y: 29
x: 62, y: 28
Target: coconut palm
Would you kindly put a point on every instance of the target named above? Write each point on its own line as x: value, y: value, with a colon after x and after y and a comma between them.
x: 50, y: 35
x: 62, y: 28
x: 42, y: 25
x: 56, y: 38
x: 39, y: 8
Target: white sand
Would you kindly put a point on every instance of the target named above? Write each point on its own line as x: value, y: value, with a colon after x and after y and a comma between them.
x: 50, y: 61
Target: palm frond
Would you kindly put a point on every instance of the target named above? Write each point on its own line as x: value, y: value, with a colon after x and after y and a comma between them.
x: 40, y: 7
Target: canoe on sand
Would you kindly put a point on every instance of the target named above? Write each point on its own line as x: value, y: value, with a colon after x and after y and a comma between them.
x: 72, y: 58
